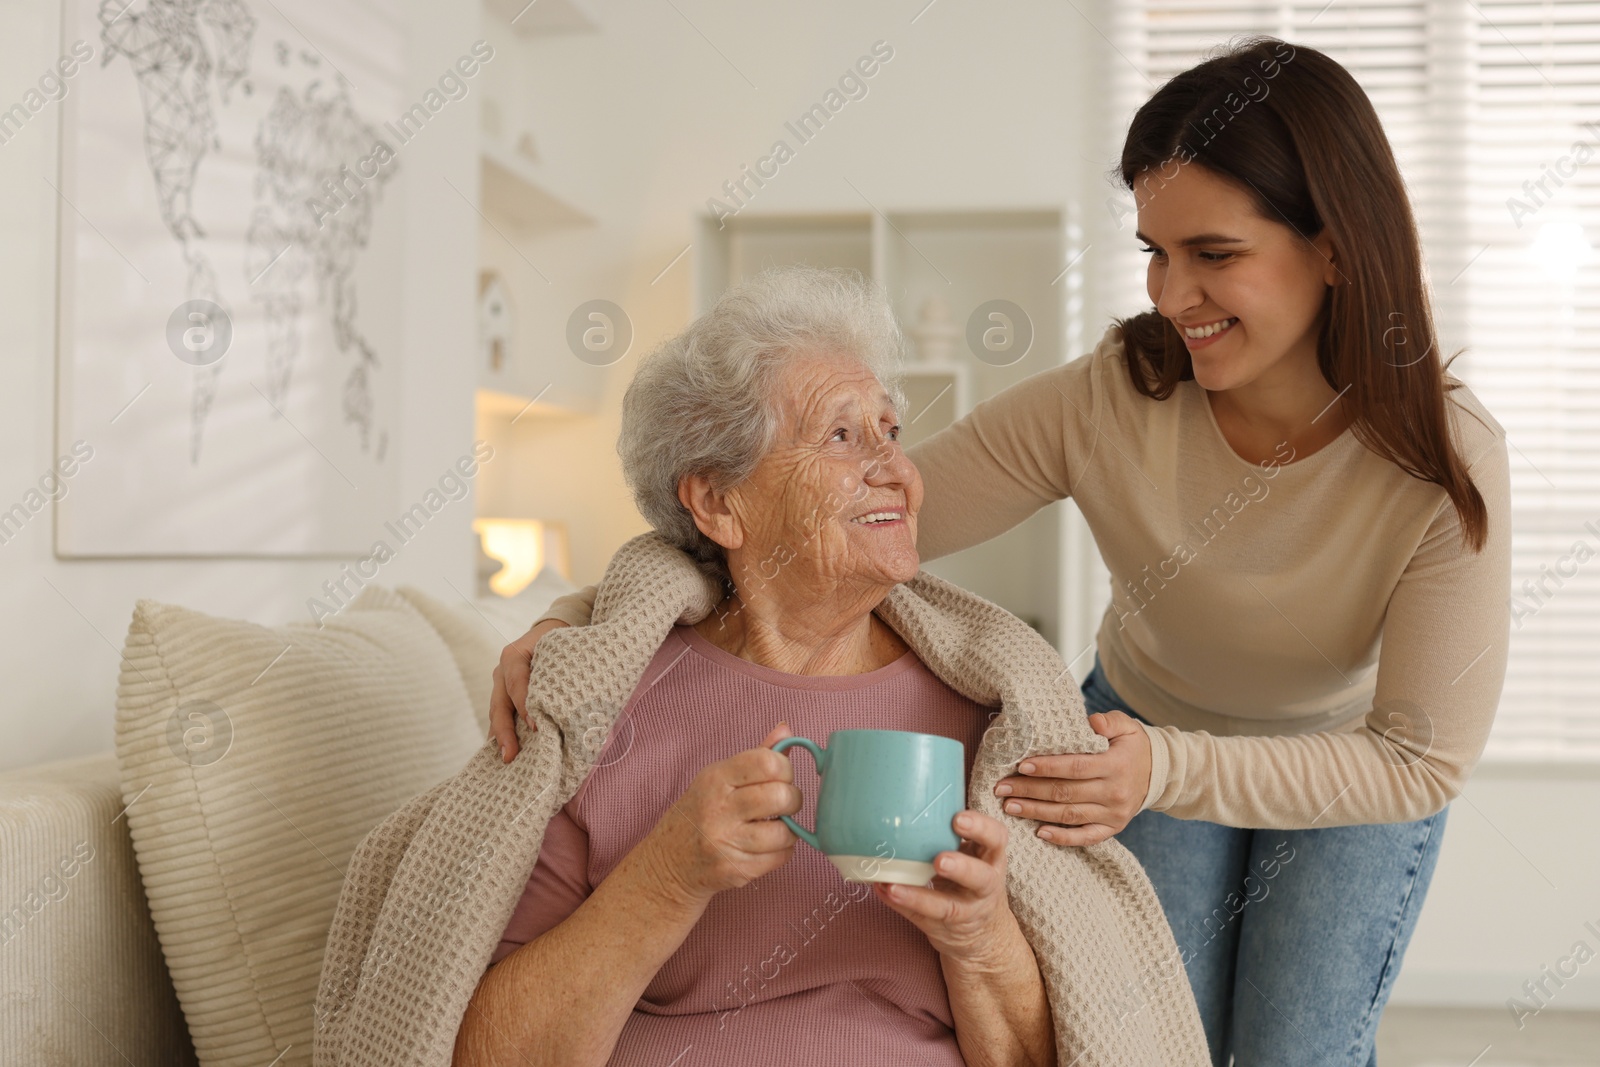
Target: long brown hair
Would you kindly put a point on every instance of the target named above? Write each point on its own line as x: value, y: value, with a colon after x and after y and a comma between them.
x: 1293, y: 130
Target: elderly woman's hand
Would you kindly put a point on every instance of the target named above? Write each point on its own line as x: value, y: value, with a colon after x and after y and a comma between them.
x: 965, y: 913
x: 510, y: 690
x: 1090, y: 796
x: 723, y: 832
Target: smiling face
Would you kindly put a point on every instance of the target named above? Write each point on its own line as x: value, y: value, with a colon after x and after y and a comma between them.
x: 1216, y: 262
x: 832, y: 507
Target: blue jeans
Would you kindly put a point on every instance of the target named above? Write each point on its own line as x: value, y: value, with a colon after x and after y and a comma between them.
x: 1291, y: 938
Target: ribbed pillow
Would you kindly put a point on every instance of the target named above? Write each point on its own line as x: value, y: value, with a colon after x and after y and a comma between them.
x: 476, y: 630
x: 473, y: 641
x: 254, y: 759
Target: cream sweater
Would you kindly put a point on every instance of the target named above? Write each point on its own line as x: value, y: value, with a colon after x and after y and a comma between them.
x: 429, y: 891
x: 1249, y: 604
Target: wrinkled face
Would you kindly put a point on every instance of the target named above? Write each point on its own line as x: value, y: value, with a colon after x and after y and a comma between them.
x: 834, y: 502
x: 1215, y: 263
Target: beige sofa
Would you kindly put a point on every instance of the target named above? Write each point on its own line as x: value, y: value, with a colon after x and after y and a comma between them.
x: 84, y: 980
x: 167, y: 903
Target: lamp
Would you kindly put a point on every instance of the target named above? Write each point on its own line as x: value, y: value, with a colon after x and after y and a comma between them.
x: 524, y: 547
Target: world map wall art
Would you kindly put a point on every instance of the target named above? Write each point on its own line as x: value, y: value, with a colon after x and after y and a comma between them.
x: 231, y: 240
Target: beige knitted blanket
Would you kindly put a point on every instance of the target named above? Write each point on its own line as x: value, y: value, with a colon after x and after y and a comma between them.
x: 429, y: 891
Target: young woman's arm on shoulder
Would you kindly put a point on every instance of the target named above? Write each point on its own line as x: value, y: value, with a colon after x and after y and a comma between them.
x: 573, y: 609
x: 1008, y: 457
x: 1443, y: 662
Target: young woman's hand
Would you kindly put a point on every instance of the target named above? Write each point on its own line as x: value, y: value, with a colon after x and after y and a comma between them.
x: 509, y: 697
x: 1089, y: 796
x: 965, y: 912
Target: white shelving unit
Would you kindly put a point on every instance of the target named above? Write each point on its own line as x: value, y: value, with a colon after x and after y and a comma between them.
x: 966, y: 258
x: 537, y: 19
x: 512, y: 189
x: 939, y: 393
x: 525, y: 213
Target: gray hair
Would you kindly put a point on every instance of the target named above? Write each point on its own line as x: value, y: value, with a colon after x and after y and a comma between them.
x: 704, y: 402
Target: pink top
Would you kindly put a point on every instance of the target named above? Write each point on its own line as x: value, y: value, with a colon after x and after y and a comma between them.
x: 799, y: 966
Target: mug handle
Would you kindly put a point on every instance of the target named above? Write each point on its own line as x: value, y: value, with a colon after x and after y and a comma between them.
x: 819, y: 754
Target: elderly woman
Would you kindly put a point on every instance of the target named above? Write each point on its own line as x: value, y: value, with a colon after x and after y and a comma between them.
x: 668, y: 897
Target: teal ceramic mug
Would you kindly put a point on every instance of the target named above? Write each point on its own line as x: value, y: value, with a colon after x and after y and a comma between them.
x: 887, y: 800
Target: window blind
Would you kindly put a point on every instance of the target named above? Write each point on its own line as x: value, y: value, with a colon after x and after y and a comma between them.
x: 1485, y: 105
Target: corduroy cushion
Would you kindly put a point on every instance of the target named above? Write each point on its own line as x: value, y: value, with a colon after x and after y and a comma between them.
x: 474, y: 639
x: 476, y: 630
x: 254, y: 759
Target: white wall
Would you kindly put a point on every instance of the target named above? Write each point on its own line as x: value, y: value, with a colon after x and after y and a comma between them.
x: 1518, y: 879
x: 64, y: 620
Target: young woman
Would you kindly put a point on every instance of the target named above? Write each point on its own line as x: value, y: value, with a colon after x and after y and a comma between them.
x: 1306, y: 520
